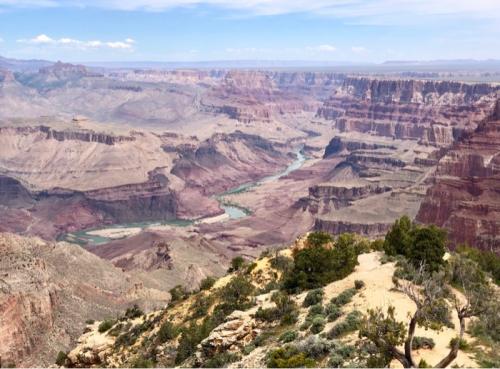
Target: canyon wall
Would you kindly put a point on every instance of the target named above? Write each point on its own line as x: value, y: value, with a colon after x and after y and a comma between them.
x: 49, y: 290
x: 465, y: 196
x: 429, y: 111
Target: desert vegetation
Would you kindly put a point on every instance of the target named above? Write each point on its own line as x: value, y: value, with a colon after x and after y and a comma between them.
x: 281, y: 310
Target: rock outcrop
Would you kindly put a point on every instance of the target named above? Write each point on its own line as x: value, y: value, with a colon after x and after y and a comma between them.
x: 465, y: 198
x: 48, y: 291
x: 429, y: 111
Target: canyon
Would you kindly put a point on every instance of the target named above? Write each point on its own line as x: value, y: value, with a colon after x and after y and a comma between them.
x: 131, y: 172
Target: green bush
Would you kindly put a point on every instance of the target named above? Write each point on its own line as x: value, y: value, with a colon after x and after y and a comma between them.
x: 462, y: 343
x: 316, y: 310
x: 282, y: 263
x: 332, y: 312
x: 377, y: 245
x: 207, y: 283
x: 315, y: 239
x: 133, y: 312
x: 288, y: 336
x: 317, y: 265
x: 142, y: 362
x: 344, y: 297
x: 313, y: 347
x: 61, y: 358
x: 335, y: 361
x: 351, y: 323
x: 177, y: 293
x: 236, y: 264
x: 90, y: 321
x: 236, y: 295
x: 488, y: 261
x: 285, y: 310
x: 267, y: 315
x: 220, y: 360
x: 250, y: 268
x: 397, y: 240
x: 422, y: 343
x: 168, y: 331
x: 358, y: 284
x: 318, y: 324
x: 420, y: 244
x: 289, y: 358
x: 313, y: 297
x: 199, y: 307
x: 105, y: 325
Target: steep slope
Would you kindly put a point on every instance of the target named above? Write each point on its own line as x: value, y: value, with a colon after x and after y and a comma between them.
x: 48, y: 291
x: 245, y: 338
x: 432, y: 112
x: 465, y: 197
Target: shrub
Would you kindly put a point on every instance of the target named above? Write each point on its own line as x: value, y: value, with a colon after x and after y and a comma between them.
x: 422, y: 343
x: 90, y: 321
x: 332, y: 312
x: 428, y: 246
x: 462, y: 343
x: 344, y: 297
x: 207, y: 283
x: 261, y: 339
x: 358, y: 284
x: 397, y: 240
x: 133, y: 312
x: 267, y: 315
x: 423, y: 364
x: 285, y: 310
x: 116, y: 330
x: 167, y: 332
x: 377, y: 245
x: 316, y: 310
x: 318, y: 324
x: 282, y: 263
x: 335, y: 361
x: 177, y: 293
x: 250, y: 268
x: 142, y: 362
x: 61, y: 358
x: 487, y: 260
x: 105, y: 325
x: 313, y: 297
x: 315, y: 239
x: 220, y: 360
x: 317, y: 265
x: 236, y: 264
x: 314, y: 347
x: 289, y: 358
x: 236, y: 295
x: 288, y: 336
x: 200, y: 306
x: 351, y: 323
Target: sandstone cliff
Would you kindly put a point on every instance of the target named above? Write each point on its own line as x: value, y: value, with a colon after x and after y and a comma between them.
x: 465, y: 197
x: 49, y: 290
x: 430, y: 111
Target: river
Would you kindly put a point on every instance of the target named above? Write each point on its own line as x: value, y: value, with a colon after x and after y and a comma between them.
x: 95, y: 236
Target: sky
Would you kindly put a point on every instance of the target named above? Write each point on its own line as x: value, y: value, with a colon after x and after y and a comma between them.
x: 362, y: 31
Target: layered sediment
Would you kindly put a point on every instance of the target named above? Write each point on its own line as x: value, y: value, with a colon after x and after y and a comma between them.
x: 465, y: 198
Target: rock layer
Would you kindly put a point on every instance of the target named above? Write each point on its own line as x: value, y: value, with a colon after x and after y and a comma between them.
x: 466, y: 195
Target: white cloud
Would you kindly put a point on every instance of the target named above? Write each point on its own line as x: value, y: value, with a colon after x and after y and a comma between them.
x: 44, y: 40
x: 1, y: 40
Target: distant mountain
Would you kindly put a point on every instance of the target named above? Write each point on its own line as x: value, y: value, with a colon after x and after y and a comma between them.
x: 17, y: 65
